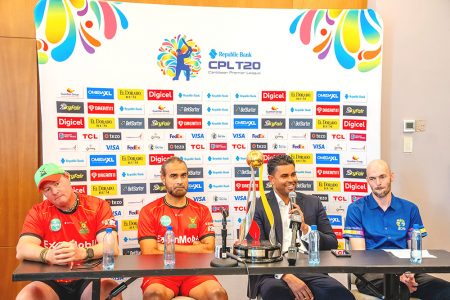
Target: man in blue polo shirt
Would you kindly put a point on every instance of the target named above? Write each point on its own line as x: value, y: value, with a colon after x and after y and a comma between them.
x: 381, y: 220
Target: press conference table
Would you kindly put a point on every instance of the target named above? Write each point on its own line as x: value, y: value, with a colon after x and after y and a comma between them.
x: 369, y: 261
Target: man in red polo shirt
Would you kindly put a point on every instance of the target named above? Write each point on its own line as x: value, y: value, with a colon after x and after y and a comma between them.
x: 64, y: 229
x: 193, y: 228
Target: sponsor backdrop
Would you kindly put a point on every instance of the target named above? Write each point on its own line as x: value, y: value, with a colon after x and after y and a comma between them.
x: 125, y: 86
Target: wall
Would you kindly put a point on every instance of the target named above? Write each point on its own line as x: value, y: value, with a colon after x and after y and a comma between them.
x: 416, y: 85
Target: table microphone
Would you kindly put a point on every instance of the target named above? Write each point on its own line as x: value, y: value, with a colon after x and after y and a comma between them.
x: 224, y: 261
x: 295, y: 223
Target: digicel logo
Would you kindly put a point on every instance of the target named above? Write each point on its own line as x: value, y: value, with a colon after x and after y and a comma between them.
x: 70, y: 122
x: 273, y: 96
x: 103, y: 175
x: 244, y: 185
x: 164, y: 95
x: 158, y: 159
x: 82, y: 189
x: 354, y: 124
x: 328, y: 110
x: 352, y: 186
x: 328, y: 172
x: 268, y: 156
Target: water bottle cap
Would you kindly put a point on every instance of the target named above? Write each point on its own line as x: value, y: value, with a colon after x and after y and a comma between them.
x: 416, y: 226
x: 313, y: 227
x: 108, y: 230
x: 169, y: 228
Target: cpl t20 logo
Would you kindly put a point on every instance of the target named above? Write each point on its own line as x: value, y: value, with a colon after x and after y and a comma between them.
x: 401, y: 224
x: 179, y: 56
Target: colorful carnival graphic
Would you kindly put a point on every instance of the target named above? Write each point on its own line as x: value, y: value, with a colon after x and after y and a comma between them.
x: 60, y: 23
x: 355, y: 36
x: 179, y: 56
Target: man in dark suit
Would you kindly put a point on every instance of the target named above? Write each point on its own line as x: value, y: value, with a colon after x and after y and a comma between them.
x: 282, y: 175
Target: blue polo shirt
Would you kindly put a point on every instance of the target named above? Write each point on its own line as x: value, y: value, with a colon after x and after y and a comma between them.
x: 390, y: 229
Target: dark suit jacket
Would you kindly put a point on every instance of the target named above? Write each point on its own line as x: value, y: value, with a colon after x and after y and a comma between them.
x: 313, y: 213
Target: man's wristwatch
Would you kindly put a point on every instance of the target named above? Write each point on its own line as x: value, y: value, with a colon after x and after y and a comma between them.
x: 89, y: 254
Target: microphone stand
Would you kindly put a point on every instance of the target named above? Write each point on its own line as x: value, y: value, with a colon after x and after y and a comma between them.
x: 292, y: 250
x: 224, y: 261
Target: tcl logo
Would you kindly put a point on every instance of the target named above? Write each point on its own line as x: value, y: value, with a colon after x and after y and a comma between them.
x: 238, y: 146
x: 354, y: 124
x: 165, y: 95
x: 350, y: 186
x: 158, y: 159
x: 89, y: 136
x: 339, y: 199
x: 70, y: 122
x: 81, y: 189
x: 198, y: 147
x: 240, y: 208
x: 273, y: 96
x: 337, y: 136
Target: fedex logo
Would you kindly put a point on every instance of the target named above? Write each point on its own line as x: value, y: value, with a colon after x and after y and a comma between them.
x: 354, y: 124
x: 335, y: 220
x: 158, y: 159
x: 353, y: 186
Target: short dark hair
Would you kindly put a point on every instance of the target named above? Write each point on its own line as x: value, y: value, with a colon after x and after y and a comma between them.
x: 279, y: 160
x: 170, y: 160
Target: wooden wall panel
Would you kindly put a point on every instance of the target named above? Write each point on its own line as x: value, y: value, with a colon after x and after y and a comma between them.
x: 357, y: 4
x: 10, y: 289
x: 16, y: 18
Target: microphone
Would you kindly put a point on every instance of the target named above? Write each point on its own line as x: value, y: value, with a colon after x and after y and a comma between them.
x: 295, y: 223
x: 295, y: 217
x: 224, y: 261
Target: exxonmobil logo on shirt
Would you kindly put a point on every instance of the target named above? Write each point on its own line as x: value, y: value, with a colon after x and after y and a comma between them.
x: 85, y: 244
x: 180, y: 240
x: 354, y: 186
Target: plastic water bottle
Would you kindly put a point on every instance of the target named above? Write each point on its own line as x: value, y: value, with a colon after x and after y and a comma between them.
x: 108, y: 250
x: 313, y: 249
x: 169, y: 248
x: 416, y: 245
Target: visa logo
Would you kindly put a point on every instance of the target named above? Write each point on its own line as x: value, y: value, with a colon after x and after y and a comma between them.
x: 199, y: 198
x: 239, y: 135
x: 197, y: 135
x: 319, y: 146
x: 112, y: 147
x: 117, y: 213
x: 335, y: 220
x: 240, y: 198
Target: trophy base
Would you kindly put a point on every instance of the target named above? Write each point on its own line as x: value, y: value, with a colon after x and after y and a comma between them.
x: 258, y: 251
